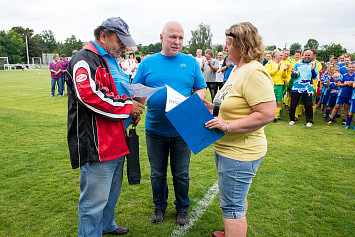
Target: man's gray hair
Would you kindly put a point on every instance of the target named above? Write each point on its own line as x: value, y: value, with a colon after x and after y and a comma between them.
x: 209, y: 51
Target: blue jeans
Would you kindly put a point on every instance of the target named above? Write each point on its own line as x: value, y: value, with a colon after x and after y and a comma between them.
x: 59, y: 82
x: 158, y: 148
x: 234, y: 179
x: 100, y: 185
x: 63, y: 85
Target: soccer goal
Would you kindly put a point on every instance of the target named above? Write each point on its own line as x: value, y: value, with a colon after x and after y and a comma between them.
x: 4, y: 63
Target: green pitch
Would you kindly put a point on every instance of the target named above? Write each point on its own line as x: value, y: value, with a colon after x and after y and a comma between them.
x: 304, y: 187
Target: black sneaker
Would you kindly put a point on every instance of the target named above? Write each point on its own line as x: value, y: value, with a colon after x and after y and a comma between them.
x: 182, y: 218
x: 157, y: 216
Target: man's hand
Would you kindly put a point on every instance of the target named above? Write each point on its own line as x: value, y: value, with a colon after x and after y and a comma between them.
x: 139, y: 99
x: 136, y: 120
x: 137, y: 109
x: 208, y: 104
x: 278, y: 68
x: 286, y: 67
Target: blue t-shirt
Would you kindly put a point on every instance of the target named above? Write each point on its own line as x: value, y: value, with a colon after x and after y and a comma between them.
x: 117, y: 74
x: 346, y: 91
x: 343, y: 70
x: 182, y: 73
x: 229, y: 69
x: 333, y: 88
x: 324, y: 78
x: 304, y: 82
x: 340, y: 64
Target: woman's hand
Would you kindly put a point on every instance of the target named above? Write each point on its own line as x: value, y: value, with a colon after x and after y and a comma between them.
x: 208, y: 104
x: 217, y: 122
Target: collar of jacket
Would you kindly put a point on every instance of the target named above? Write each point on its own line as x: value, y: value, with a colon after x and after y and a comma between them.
x: 90, y: 46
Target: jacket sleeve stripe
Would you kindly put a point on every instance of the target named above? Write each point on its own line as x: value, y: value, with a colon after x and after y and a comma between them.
x: 95, y: 99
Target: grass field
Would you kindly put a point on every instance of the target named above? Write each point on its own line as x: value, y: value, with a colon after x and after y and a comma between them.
x: 304, y: 187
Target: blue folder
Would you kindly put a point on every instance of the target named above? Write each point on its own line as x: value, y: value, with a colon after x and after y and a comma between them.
x: 189, y: 119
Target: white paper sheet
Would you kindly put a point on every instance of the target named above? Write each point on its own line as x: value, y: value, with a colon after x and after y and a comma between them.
x: 173, y: 98
x: 139, y: 90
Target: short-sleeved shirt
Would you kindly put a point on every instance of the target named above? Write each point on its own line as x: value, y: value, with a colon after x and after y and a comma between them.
x: 55, y: 66
x: 208, y: 73
x: 182, y: 73
x: 343, y: 70
x: 219, y: 75
x: 346, y: 91
x: 248, y: 86
x: 228, y: 71
x: 333, y: 88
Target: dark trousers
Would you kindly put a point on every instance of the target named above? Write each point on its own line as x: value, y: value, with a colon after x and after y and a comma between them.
x: 307, y: 100
x: 219, y: 85
x: 212, y: 86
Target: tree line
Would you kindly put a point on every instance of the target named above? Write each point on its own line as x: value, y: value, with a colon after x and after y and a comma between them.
x: 12, y: 44
x: 323, y: 52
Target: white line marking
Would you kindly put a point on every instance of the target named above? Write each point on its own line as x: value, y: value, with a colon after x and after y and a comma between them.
x: 197, y: 211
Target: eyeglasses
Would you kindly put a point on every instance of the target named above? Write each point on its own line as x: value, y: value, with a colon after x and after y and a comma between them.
x: 229, y: 33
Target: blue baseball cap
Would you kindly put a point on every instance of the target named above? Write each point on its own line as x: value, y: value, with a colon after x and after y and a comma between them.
x: 120, y: 27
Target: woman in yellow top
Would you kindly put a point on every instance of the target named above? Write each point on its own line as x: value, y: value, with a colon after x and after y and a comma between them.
x: 248, y: 104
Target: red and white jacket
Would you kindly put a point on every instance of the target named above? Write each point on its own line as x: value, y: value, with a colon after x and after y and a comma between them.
x: 95, y: 110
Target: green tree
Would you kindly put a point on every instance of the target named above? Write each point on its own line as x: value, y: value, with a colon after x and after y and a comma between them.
x: 332, y: 49
x: 312, y: 44
x: 145, y: 50
x: 271, y: 47
x: 158, y: 47
x: 11, y: 45
x: 34, y: 47
x: 139, y: 47
x: 201, y: 38
x: 294, y: 47
x: 47, y: 41
x: 220, y: 48
x: 70, y: 44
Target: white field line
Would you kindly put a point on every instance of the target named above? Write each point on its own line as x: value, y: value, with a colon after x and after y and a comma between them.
x: 197, y: 211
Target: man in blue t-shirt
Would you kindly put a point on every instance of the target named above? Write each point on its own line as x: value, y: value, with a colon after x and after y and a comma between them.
x: 182, y: 73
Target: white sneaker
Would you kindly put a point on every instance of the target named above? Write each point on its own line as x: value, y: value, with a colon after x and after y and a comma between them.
x: 308, y: 125
x: 291, y: 122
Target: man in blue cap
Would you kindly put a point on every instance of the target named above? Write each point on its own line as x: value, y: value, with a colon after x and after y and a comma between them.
x: 96, y: 126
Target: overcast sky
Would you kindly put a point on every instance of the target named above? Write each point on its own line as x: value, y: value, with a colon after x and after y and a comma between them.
x: 279, y: 22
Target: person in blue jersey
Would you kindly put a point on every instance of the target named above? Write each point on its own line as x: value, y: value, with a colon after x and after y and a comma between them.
x: 326, y: 90
x: 352, y: 109
x: 54, y: 68
x: 346, y: 88
x: 340, y: 62
x: 227, y: 68
x: 344, y: 69
x: 304, y: 73
x: 333, y: 93
x: 182, y: 73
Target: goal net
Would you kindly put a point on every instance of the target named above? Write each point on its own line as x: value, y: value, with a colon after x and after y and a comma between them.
x: 4, y: 62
